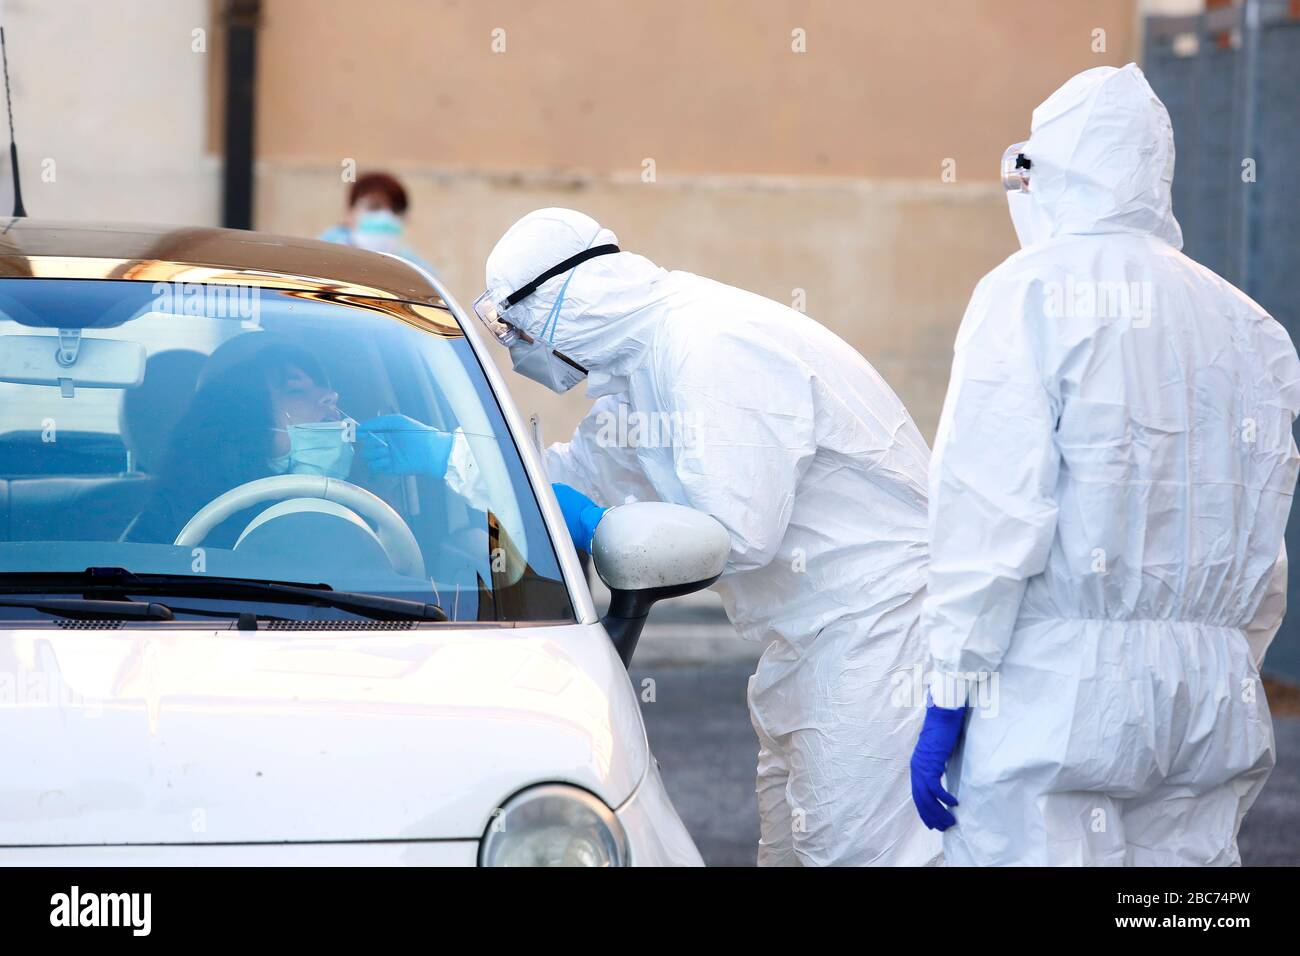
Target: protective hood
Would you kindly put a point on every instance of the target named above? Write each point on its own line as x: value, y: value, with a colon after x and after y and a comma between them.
x: 1102, y: 149
x: 605, y: 319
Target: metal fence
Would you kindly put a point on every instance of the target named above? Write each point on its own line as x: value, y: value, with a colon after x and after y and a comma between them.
x: 1231, y: 81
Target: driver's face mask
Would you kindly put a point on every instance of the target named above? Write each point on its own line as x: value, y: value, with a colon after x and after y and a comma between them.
x: 535, y: 358
x: 318, y: 448
x: 1026, y: 215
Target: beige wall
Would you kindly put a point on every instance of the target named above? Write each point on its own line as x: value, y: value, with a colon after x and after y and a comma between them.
x: 885, y: 88
x: 109, y: 110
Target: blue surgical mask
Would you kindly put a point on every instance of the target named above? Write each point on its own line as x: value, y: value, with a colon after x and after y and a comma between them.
x: 318, y: 448
x: 378, y: 230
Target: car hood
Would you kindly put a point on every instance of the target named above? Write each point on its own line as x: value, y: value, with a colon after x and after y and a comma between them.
x: 185, y: 736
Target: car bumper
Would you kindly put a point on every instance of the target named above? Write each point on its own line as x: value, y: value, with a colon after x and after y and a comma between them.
x: 655, y: 832
x: 655, y: 835
x: 378, y: 853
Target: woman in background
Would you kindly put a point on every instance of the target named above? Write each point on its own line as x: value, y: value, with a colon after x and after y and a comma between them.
x: 376, y: 218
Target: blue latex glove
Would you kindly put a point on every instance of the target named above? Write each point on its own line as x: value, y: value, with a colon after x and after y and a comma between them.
x: 581, y: 514
x: 939, y: 735
x: 398, y: 445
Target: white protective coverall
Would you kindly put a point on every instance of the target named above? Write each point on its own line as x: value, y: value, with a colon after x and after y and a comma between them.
x: 1112, y: 476
x: 753, y: 413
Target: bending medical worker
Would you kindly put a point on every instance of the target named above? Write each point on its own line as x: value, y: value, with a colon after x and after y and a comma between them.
x: 755, y: 414
x: 1112, y: 476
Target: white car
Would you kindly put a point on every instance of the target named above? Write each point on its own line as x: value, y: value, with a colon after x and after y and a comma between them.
x: 282, y: 579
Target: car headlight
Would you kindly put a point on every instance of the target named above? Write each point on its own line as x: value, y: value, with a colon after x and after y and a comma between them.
x: 554, y: 825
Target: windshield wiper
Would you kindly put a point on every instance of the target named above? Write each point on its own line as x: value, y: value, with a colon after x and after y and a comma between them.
x: 119, y: 581
x: 81, y: 608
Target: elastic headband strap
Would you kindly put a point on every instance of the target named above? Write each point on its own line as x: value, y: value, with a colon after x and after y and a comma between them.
x: 525, y: 291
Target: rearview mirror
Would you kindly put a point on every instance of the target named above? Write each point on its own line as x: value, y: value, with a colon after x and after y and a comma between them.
x: 648, y: 551
x: 67, y: 360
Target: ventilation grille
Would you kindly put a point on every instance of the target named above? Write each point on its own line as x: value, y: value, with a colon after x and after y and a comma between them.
x: 348, y: 625
x: 87, y: 625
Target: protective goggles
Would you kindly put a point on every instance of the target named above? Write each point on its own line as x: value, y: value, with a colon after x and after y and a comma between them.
x: 493, y: 304
x: 1015, y: 168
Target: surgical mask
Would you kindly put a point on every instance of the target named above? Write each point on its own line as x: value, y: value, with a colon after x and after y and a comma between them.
x: 1032, y: 225
x: 317, y: 448
x: 379, y: 230
x: 545, y: 366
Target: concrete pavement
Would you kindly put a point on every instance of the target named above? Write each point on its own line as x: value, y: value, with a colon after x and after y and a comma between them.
x: 699, y: 729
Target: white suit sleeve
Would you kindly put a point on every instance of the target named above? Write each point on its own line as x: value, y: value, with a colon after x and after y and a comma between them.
x: 746, y: 435
x: 1272, y: 608
x: 597, y: 460
x: 992, y: 480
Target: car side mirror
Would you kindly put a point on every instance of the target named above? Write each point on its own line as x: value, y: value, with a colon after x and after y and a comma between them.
x: 648, y: 551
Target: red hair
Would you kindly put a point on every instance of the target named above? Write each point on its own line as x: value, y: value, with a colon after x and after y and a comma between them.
x: 381, y: 184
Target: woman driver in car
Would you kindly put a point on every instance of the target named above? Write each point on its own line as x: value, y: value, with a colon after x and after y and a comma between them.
x: 272, y: 413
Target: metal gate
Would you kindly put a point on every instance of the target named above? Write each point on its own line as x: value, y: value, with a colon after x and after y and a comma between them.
x: 1231, y: 80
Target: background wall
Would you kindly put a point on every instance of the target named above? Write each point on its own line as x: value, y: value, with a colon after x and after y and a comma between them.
x: 110, y: 109
x: 703, y: 87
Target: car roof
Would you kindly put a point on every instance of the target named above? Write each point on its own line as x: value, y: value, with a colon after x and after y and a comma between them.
x: 161, y: 253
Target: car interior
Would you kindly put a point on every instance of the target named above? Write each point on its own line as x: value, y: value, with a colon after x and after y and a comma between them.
x: 90, y: 485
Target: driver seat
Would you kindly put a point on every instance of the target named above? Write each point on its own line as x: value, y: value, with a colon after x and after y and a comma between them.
x: 151, y: 411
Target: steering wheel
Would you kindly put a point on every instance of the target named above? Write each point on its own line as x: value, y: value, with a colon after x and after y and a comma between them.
x: 394, y: 536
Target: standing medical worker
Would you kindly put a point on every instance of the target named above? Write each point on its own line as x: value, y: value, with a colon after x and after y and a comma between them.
x: 1111, y: 480
x: 753, y: 413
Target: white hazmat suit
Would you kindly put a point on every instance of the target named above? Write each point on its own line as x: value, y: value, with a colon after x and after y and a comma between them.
x: 737, y: 406
x: 1112, y: 477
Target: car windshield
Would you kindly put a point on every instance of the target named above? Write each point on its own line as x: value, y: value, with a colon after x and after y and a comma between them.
x: 223, y: 431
